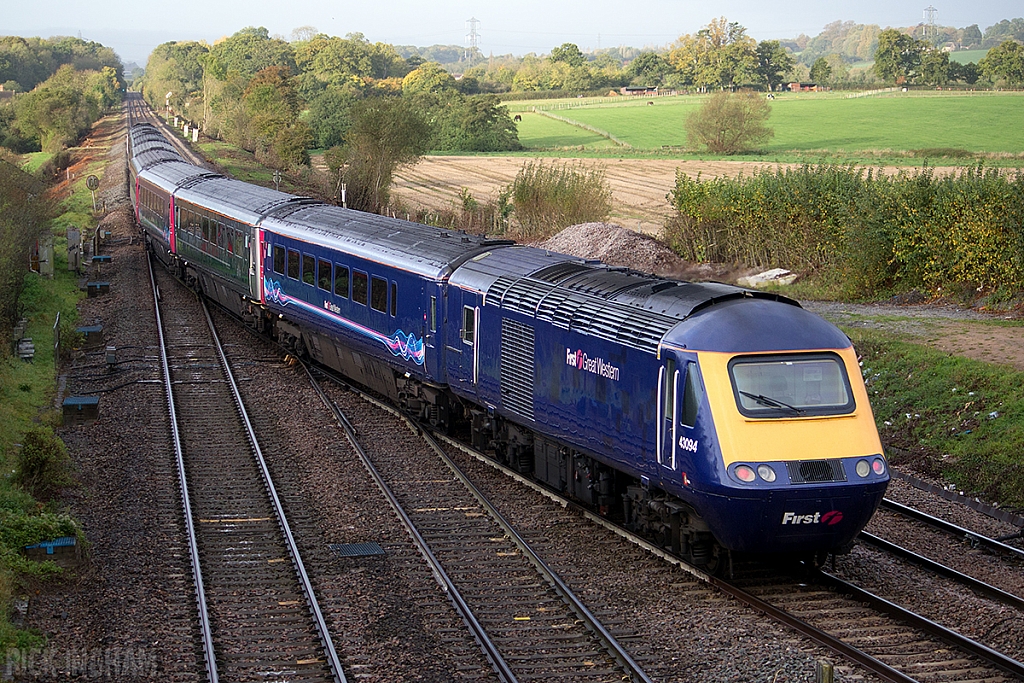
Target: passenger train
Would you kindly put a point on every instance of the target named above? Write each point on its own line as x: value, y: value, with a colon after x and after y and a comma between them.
x: 714, y: 418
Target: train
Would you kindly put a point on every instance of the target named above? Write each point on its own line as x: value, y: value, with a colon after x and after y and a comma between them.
x: 715, y: 419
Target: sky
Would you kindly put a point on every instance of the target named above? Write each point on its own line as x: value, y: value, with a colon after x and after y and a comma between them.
x: 518, y: 27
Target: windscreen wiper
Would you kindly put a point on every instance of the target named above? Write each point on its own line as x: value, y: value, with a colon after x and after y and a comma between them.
x: 771, y: 402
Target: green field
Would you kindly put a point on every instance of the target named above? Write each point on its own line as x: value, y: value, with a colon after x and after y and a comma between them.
x: 888, y: 124
x: 966, y: 56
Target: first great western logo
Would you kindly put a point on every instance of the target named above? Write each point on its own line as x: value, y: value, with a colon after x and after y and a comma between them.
x: 596, y: 366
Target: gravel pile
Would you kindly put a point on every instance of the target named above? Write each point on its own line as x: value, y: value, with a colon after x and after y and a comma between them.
x: 618, y: 246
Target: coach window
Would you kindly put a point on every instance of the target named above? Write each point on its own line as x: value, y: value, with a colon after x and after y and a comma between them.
x: 692, y: 392
x: 379, y: 294
x: 340, y: 280
x: 359, y: 287
x: 394, y: 299
x: 308, y: 269
x: 670, y: 394
x: 323, y: 272
x: 468, y: 324
x: 279, y: 259
x: 293, y: 264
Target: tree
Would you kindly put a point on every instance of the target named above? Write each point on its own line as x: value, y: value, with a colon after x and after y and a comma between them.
x: 970, y: 37
x: 251, y: 50
x: 773, y: 63
x: 966, y: 73
x: 473, y: 124
x: 272, y: 106
x: 821, y: 71
x: 898, y: 57
x: 568, y: 53
x: 350, y: 61
x: 730, y: 123
x: 935, y: 67
x: 303, y: 33
x: 854, y: 42
x: 386, y: 133
x: 330, y: 117
x: 720, y: 54
x: 176, y: 68
x: 57, y: 111
x: 428, y: 78
x: 1004, y: 61
x: 649, y: 68
x: 1004, y: 30
x: 24, y: 213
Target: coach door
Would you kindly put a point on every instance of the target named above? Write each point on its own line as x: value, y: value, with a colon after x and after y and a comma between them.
x: 463, y: 349
x: 668, y: 400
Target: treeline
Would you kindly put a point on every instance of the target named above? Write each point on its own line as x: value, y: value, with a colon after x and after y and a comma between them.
x: 721, y: 54
x: 860, y: 232
x: 59, y: 87
x: 23, y: 215
x: 853, y: 42
x: 279, y: 98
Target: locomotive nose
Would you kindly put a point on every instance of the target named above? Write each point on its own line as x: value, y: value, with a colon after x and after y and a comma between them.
x: 792, y: 521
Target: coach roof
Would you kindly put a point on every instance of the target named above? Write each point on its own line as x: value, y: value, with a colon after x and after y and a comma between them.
x: 421, y: 249
x: 244, y: 202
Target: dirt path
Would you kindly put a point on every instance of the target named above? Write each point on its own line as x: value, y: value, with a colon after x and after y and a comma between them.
x: 639, y: 186
x: 957, y: 331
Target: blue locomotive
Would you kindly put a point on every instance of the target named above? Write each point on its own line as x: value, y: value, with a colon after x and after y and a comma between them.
x: 714, y: 418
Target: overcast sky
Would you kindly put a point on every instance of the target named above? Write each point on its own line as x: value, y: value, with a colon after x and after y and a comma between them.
x: 511, y: 26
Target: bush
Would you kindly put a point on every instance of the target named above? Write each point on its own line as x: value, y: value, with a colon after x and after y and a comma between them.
x: 729, y: 123
x: 866, y: 233
x: 545, y: 199
x: 55, y: 165
x: 43, y: 467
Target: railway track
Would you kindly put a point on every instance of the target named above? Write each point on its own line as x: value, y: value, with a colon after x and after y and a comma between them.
x: 258, y: 615
x: 138, y: 111
x: 892, y: 643
x: 528, y: 622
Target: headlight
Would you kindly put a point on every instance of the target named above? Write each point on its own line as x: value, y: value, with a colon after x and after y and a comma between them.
x: 745, y: 473
x: 766, y: 472
x: 863, y: 468
x: 878, y: 466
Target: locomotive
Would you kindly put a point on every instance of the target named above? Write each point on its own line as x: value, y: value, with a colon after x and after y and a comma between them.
x: 715, y: 419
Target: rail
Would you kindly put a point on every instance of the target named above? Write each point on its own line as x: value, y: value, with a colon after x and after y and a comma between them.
x: 205, y: 630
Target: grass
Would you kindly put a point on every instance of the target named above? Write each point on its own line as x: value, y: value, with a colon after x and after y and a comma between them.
x: 236, y: 162
x: 33, y: 161
x: 967, y: 56
x: 946, y: 415
x: 807, y: 125
x: 541, y: 132
x: 27, y: 392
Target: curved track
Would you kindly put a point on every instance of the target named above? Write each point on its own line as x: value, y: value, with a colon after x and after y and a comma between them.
x: 259, y: 619
x: 138, y: 111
